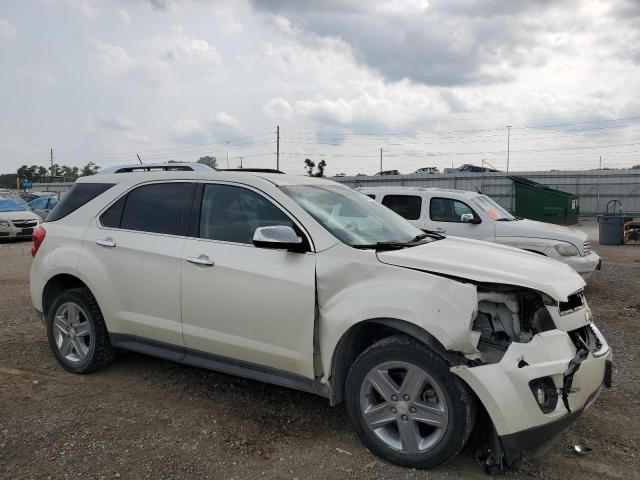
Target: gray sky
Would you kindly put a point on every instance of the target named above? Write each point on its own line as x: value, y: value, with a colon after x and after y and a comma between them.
x: 432, y: 82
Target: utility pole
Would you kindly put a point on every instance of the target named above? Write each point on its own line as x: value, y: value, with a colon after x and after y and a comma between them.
x: 381, y: 159
x: 508, y: 139
x: 599, y: 182
x: 240, y: 162
x: 52, y: 161
x: 278, y: 147
x: 227, y: 154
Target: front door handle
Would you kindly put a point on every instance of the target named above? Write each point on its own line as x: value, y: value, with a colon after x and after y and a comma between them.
x: 107, y: 242
x: 201, y: 260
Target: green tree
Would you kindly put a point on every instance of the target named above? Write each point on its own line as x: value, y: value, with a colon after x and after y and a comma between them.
x: 89, y: 169
x: 209, y: 161
x: 636, y: 167
x: 309, y: 166
x: 42, y: 173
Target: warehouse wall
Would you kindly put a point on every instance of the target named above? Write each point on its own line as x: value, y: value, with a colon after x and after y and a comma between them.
x: 595, y: 188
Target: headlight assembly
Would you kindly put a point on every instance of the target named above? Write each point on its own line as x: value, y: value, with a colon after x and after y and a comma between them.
x: 4, y: 223
x: 567, y: 250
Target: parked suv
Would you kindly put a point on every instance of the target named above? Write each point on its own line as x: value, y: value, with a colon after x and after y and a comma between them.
x: 305, y: 283
x: 473, y: 215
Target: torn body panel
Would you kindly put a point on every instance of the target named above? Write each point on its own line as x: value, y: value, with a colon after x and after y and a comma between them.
x: 353, y: 286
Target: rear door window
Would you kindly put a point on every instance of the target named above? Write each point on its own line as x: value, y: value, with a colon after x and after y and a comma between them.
x: 156, y: 208
x: 407, y: 206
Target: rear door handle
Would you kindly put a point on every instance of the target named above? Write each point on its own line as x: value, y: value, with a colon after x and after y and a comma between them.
x: 107, y: 242
x: 201, y: 260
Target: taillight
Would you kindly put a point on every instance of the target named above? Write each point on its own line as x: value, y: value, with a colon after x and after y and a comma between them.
x: 37, y: 237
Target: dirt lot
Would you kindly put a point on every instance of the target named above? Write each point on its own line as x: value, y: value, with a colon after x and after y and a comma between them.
x: 148, y: 418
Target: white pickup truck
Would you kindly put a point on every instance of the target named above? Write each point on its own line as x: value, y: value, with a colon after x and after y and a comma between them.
x: 473, y: 215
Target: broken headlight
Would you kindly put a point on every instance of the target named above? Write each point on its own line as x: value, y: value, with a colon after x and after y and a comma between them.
x: 509, y: 315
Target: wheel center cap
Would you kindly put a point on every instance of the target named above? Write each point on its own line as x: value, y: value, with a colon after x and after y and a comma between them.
x: 402, y: 408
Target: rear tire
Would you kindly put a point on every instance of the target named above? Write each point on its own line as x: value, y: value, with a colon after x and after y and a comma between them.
x: 77, y: 333
x: 405, y: 404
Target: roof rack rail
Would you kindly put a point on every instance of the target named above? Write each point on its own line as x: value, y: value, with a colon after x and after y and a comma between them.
x: 149, y: 167
x: 250, y: 170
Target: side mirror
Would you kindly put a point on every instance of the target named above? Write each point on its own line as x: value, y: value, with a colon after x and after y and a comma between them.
x: 469, y: 218
x: 278, y: 237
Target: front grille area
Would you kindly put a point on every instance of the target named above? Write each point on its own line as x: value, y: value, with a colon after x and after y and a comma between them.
x: 587, y: 247
x: 24, y: 223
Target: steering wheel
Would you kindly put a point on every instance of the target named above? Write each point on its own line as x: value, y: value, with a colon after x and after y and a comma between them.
x: 352, y: 227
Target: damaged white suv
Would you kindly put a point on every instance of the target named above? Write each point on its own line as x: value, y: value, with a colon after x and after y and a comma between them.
x: 308, y: 284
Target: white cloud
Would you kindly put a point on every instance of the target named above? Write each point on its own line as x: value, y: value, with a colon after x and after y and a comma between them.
x: 7, y: 31
x: 117, y: 123
x: 119, y: 64
x: 89, y: 8
x: 181, y: 48
x: 188, y: 130
x: 278, y: 109
x: 124, y: 15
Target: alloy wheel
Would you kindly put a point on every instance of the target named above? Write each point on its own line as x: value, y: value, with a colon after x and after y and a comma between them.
x: 72, y: 332
x: 404, y: 407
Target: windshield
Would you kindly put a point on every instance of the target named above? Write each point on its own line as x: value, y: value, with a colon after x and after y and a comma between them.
x: 491, y: 208
x: 11, y: 204
x: 352, y: 217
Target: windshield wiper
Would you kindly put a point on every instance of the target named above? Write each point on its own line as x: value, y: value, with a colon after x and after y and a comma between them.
x: 397, y: 245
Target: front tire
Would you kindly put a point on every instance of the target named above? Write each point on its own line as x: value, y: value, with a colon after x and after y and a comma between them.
x: 77, y: 333
x: 405, y: 404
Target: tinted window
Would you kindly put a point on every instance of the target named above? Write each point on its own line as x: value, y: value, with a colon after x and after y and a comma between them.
x: 232, y: 214
x: 448, y: 210
x: 79, y: 194
x: 407, y: 206
x: 371, y: 195
x: 40, y: 203
x: 53, y: 201
x: 157, y: 208
x: 112, y: 217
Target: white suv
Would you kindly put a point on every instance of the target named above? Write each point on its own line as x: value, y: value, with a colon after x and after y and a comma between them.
x: 305, y: 283
x: 473, y: 215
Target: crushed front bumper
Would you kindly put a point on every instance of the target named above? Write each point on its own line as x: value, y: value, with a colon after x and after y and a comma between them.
x: 503, y: 388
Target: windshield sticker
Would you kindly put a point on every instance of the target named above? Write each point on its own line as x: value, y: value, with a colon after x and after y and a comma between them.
x: 492, y: 213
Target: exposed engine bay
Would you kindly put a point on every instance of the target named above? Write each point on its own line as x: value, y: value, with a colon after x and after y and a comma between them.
x: 507, y: 315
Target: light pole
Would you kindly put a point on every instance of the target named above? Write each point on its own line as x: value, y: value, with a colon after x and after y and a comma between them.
x: 508, y: 141
x: 228, y: 156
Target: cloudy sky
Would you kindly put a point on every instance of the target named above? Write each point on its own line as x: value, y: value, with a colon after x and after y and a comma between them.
x: 431, y: 82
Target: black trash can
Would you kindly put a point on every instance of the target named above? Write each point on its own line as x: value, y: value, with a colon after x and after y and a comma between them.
x: 611, y: 225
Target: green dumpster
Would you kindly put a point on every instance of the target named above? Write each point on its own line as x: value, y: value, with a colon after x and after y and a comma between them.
x: 539, y: 202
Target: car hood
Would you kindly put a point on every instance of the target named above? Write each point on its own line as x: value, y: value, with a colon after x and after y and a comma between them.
x: 20, y: 215
x: 490, y: 263
x: 533, y: 229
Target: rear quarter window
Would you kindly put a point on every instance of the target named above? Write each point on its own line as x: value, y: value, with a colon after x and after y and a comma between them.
x: 407, y: 206
x: 79, y: 194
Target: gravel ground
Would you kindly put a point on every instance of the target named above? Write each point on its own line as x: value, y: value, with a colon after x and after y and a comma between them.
x: 149, y: 418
